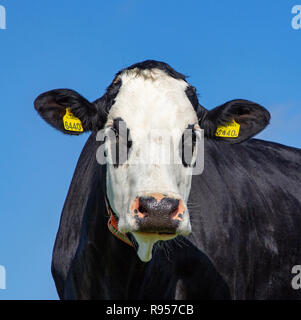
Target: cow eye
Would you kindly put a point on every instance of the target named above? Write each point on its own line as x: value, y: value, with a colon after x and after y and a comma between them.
x: 187, y: 146
x: 116, y: 132
x: 120, y: 148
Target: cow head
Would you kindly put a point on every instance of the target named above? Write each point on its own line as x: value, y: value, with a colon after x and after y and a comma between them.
x: 151, y: 124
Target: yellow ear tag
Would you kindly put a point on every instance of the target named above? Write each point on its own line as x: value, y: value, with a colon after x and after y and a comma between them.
x: 71, y: 123
x: 230, y: 130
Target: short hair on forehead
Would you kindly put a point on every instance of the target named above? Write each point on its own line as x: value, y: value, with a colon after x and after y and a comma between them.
x: 149, y: 70
x: 147, y: 74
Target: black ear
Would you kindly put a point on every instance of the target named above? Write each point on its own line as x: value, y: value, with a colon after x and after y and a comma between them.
x: 67, y: 111
x: 249, y: 119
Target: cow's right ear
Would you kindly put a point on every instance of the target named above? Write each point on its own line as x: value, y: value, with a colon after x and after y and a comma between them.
x: 67, y: 111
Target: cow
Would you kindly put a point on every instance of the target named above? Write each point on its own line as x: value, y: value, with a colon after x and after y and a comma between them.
x: 139, y: 230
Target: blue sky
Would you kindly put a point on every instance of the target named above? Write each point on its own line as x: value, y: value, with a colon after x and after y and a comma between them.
x: 230, y: 49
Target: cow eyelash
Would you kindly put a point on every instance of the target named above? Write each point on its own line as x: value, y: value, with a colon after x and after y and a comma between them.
x: 191, y: 140
x: 116, y: 132
x: 120, y: 139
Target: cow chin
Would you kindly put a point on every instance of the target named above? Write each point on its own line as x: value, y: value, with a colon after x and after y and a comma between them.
x: 146, y: 242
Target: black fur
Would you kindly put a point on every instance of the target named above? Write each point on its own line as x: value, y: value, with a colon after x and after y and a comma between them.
x: 122, y: 142
x: 52, y: 106
x: 245, y: 214
x: 251, y: 116
x: 192, y: 96
x: 90, y: 263
x: 244, y: 210
x: 188, y: 146
x: 104, y: 104
x: 152, y: 64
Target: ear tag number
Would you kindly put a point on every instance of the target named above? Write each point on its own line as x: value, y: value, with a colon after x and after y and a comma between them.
x: 230, y: 130
x: 71, y: 123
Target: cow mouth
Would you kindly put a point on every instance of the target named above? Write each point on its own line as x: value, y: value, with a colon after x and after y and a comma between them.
x: 158, y: 235
x: 167, y: 234
x: 146, y: 240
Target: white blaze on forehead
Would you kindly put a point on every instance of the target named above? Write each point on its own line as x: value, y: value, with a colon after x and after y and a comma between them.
x: 151, y: 99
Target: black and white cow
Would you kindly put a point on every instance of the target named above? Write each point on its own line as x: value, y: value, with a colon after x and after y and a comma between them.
x: 233, y: 231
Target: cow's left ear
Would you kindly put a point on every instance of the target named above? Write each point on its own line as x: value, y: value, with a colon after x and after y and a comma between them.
x: 235, y: 121
x: 67, y: 111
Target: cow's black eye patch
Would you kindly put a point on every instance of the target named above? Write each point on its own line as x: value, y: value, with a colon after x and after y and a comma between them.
x: 187, y: 146
x: 120, y: 148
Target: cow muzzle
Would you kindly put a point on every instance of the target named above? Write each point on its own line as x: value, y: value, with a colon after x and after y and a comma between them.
x: 157, y: 213
x: 158, y: 217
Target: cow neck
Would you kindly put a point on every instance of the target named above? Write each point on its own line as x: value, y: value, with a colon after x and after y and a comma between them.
x: 113, y: 225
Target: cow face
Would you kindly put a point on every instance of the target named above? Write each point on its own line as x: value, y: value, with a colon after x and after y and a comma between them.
x: 150, y: 122
x: 148, y: 187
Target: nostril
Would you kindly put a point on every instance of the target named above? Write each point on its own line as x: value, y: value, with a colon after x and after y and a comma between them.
x: 158, y: 208
x: 174, y: 211
x: 142, y: 209
x: 175, y: 207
